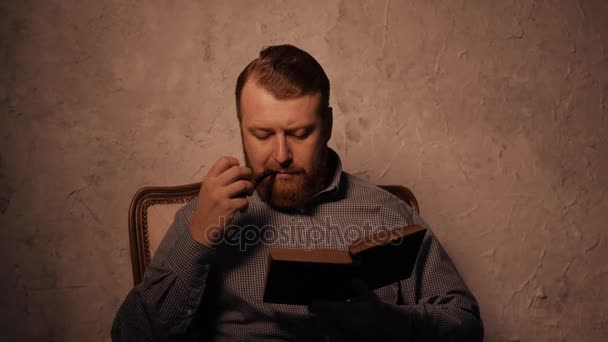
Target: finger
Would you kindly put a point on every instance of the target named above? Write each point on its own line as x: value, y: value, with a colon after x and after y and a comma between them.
x: 221, y: 165
x: 244, y: 208
x: 235, y: 173
x: 239, y: 204
x: 239, y: 188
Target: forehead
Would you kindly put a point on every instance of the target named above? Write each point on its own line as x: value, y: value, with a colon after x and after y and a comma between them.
x: 261, y: 108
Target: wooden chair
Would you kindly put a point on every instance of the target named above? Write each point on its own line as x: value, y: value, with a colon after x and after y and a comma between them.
x: 153, y: 209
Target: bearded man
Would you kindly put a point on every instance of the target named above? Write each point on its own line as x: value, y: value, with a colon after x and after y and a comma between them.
x: 206, y: 281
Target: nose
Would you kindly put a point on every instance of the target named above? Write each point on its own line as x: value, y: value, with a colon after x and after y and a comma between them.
x: 282, y: 153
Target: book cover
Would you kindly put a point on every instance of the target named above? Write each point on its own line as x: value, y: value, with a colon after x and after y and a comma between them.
x: 297, y: 276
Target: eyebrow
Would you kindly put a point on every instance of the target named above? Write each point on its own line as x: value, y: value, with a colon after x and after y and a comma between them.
x: 290, y: 130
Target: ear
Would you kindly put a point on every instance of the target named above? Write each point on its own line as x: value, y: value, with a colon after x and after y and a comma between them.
x: 328, y: 123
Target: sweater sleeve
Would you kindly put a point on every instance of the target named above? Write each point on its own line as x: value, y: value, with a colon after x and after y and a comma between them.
x: 445, y: 309
x: 163, y: 306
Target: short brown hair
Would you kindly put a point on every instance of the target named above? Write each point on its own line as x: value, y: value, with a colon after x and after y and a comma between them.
x: 286, y: 72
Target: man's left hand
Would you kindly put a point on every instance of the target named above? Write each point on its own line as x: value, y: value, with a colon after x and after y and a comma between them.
x: 365, y: 317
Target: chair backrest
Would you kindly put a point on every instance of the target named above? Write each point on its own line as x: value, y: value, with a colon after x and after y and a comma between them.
x: 153, y: 209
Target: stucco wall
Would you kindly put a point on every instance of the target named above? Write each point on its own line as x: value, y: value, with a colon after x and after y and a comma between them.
x: 493, y: 112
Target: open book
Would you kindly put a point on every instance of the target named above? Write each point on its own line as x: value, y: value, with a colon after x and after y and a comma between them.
x: 297, y: 276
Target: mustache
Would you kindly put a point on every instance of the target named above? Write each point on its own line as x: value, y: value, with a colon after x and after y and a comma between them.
x: 291, y: 169
x: 259, y: 178
x: 271, y: 172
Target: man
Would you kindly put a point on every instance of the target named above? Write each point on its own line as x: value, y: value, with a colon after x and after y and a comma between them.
x: 206, y: 281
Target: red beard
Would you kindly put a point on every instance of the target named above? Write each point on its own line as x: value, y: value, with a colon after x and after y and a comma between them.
x: 295, y: 192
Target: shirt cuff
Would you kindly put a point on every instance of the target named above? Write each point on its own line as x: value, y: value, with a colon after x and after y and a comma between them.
x: 189, y: 259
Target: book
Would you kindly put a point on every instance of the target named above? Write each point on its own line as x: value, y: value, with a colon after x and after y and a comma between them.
x: 297, y: 276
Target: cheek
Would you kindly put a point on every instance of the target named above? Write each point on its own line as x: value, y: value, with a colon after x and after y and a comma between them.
x: 257, y: 153
x: 307, y: 156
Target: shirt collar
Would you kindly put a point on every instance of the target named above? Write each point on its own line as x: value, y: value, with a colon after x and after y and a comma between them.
x: 334, y: 180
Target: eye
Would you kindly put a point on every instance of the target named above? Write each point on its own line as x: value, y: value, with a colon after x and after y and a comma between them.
x: 301, y: 134
x: 262, y: 136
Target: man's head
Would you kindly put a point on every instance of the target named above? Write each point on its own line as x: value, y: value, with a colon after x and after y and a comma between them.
x: 282, y: 100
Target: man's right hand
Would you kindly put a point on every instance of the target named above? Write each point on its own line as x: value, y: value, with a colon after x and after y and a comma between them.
x: 221, y: 195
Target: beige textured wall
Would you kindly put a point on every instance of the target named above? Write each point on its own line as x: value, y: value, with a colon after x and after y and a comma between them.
x: 493, y: 112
